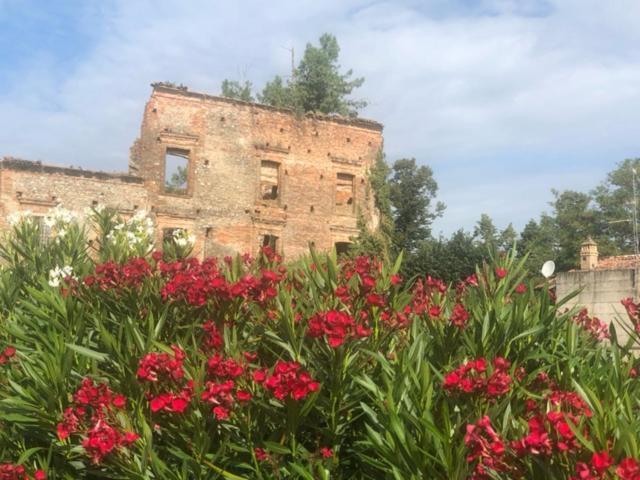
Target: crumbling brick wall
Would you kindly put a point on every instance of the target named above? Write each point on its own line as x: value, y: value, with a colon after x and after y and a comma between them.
x: 255, y: 175
x: 26, y: 185
x: 237, y: 151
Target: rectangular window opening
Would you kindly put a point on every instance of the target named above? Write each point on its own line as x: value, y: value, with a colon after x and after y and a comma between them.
x: 269, y: 180
x: 176, y: 171
x: 342, y: 248
x: 345, y: 191
x: 270, y: 241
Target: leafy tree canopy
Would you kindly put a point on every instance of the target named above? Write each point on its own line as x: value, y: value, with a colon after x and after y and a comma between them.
x: 316, y: 85
x: 237, y: 90
x: 412, y: 191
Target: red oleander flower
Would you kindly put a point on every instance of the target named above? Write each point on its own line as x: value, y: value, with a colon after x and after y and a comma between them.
x: 259, y: 376
x: 472, y: 377
x: 221, y: 412
x: 7, y: 354
x: 92, y: 415
x: 376, y: 300
x: 9, y: 471
x: 261, y: 455
x: 243, y: 396
x: 601, y: 461
x: 213, y: 338
x: 223, y: 368
x: 161, y: 366
x: 337, y: 327
x: 486, y: 449
x: 326, y: 452
x: 459, y: 316
x: 113, y: 276
x: 628, y: 469
x: 500, y: 273
x: 633, y: 312
x: 598, y: 329
x: 521, y: 288
x: 164, y: 373
x: 288, y: 380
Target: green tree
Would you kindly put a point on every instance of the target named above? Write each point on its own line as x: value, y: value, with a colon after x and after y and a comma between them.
x: 277, y: 94
x: 507, y: 238
x: 178, y: 181
x: 317, y: 84
x: 486, y: 234
x: 449, y: 259
x: 412, y: 192
x: 237, y: 90
x: 377, y: 242
x: 539, y: 241
x: 615, y: 201
x: 576, y: 219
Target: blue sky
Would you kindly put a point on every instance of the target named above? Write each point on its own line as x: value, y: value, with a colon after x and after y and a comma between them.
x: 504, y: 99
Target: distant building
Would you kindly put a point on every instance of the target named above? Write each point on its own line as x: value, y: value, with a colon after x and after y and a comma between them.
x: 604, y: 282
x: 236, y: 175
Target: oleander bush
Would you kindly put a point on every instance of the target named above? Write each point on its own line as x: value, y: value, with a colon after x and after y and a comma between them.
x: 121, y: 361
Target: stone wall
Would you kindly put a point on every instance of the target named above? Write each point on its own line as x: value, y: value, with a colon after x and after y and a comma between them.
x: 32, y: 186
x: 600, y: 292
x: 255, y: 175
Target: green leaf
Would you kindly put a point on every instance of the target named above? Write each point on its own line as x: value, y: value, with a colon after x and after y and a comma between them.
x: 87, y: 352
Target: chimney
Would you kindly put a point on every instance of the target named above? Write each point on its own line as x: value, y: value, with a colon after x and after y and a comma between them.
x: 588, y: 254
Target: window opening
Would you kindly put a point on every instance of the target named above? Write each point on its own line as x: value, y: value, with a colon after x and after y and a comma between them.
x: 270, y: 241
x: 176, y: 171
x: 342, y: 248
x: 344, y: 191
x: 269, y: 180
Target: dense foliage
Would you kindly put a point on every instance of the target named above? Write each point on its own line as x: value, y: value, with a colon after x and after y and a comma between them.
x: 315, y: 85
x: 119, y: 361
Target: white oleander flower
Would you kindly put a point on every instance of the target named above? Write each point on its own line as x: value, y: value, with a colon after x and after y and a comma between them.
x: 19, y: 217
x: 182, y: 238
x: 57, y: 274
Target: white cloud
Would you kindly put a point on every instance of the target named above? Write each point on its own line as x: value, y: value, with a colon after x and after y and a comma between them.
x: 475, y: 92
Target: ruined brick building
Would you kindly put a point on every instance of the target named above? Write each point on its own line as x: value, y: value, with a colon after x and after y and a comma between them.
x: 250, y: 175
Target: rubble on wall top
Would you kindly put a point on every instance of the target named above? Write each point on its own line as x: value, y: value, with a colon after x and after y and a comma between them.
x: 620, y: 262
x: 12, y: 163
x: 184, y: 90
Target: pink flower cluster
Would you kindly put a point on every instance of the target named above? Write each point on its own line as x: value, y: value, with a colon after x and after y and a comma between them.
x: 287, y: 380
x: 164, y: 373
x: 600, y: 466
x: 92, y: 415
x: 428, y: 298
x: 198, y: 282
x: 111, y: 275
x: 473, y: 377
x: 598, y: 329
x: 633, y: 311
x: 9, y: 471
x: 336, y: 327
x: 550, y: 428
x: 222, y: 390
x: 486, y: 449
x: 7, y: 354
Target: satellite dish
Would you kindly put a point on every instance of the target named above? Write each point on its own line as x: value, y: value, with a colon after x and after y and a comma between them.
x: 548, y: 268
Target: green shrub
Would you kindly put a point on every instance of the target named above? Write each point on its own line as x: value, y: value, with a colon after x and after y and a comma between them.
x: 139, y: 364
